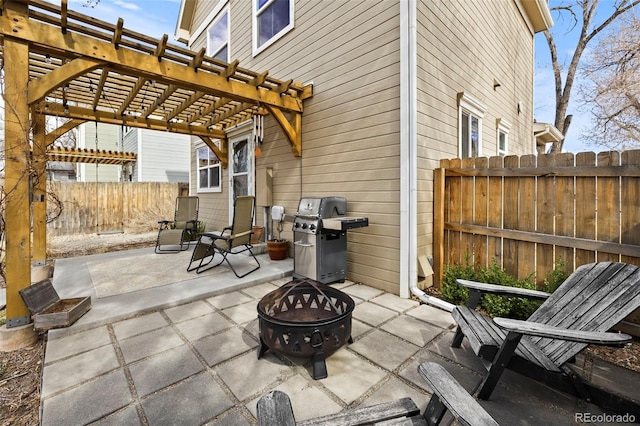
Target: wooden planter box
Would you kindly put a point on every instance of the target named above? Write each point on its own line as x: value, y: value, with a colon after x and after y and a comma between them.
x: 48, y: 310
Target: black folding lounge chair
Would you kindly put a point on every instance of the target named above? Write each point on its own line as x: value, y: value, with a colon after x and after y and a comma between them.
x: 232, y: 240
x: 172, y: 233
x: 593, y: 299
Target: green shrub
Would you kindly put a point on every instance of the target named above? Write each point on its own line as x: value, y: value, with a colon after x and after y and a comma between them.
x: 495, y: 305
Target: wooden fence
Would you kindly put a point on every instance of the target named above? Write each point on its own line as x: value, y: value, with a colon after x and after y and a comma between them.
x: 530, y: 212
x: 105, y: 207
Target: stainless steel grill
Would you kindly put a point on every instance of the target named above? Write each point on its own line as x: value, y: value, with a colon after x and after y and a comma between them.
x: 320, y: 238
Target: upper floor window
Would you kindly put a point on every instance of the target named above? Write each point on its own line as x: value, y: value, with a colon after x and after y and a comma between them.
x: 470, y: 115
x: 209, y: 170
x: 271, y: 20
x: 218, y: 38
x: 503, y: 128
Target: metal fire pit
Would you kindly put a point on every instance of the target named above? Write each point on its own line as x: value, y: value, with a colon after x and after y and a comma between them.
x: 305, y: 319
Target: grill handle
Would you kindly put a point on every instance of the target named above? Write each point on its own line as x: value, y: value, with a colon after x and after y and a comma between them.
x: 301, y: 244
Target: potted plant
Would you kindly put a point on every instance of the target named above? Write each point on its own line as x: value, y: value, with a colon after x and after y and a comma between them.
x: 278, y: 247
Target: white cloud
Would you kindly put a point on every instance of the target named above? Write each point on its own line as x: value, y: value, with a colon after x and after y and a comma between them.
x: 127, y: 5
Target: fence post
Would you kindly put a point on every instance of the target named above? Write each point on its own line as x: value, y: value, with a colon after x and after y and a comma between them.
x: 438, y: 225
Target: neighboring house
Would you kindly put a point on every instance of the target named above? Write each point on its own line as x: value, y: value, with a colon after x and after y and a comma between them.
x: 161, y: 156
x: 397, y: 86
x: 98, y: 136
x: 63, y: 171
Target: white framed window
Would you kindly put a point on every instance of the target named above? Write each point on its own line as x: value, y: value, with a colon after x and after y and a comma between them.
x: 470, y: 115
x: 209, y: 170
x: 272, y: 19
x: 502, y: 131
x: 218, y: 37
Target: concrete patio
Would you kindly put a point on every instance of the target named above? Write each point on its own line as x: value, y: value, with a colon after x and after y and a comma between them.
x: 186, y: 353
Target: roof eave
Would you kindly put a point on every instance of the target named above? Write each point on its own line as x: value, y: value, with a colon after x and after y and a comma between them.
x: 538, y: 14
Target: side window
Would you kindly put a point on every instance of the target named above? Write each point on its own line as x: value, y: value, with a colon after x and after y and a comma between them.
x: 503, y: 128
x: 271, y: 20
x: 218, y: 37
x: 209, y: 171
x: 470, y: 114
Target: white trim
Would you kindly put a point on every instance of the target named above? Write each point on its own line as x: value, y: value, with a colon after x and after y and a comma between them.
x: 198, y: 190
x: 207, y: 21
x: 251, y: 167
x: 502, y: 126
x: 217, y: 19
x: 254, y: 27
x: 408, y: 148
x: 475, y: 108
x: 471, y: 104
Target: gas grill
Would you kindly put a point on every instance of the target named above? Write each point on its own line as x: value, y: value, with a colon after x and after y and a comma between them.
x: 320, y: 238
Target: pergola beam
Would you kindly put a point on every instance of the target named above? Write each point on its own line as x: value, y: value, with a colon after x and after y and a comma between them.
x: 131, y: 62
x: 79, y: 113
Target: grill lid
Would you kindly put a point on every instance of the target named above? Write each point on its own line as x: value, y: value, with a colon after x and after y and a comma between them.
x: 322, y: 207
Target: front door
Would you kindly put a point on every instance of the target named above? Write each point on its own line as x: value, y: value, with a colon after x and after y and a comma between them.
x: 241, y: 171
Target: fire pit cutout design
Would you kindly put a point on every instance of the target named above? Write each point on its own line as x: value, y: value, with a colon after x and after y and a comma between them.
x: 305, y: 319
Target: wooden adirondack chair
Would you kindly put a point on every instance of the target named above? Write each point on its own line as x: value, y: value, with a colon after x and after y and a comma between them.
x: 581, y: 311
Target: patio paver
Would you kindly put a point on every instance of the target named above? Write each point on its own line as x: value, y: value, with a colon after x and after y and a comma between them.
x: 166, y: 358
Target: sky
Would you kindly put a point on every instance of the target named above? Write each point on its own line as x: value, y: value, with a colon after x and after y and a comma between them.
x: 157, y: 17
x: 151, y: 17
x: 544, y: 87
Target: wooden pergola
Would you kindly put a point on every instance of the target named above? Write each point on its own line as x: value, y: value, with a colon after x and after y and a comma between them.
x: 58, y: 62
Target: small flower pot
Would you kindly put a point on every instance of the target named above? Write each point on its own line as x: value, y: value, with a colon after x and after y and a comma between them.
x: 257, y: 234
x: 277, y: 249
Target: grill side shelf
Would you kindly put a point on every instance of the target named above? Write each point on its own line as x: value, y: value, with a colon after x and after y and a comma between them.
x: 344, y: 223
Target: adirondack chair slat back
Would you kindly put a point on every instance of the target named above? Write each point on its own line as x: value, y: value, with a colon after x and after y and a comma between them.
x: 595, y: 297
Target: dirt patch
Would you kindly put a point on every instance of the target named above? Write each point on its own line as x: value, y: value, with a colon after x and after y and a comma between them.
x: 20, y: 373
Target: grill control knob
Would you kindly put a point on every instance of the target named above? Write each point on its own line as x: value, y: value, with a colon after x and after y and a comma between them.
x: 304, y: 226
x: 312, y: 226
x: 296, y: 225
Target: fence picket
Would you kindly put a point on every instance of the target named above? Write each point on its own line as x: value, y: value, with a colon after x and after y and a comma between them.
x: 90, y: 207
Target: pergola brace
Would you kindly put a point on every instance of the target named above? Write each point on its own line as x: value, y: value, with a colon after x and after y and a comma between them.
x: 222, y: 153
x: 292, y: 129
x: 53, y: 135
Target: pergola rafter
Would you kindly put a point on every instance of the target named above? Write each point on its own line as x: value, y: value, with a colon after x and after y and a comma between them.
x: 83, y: 69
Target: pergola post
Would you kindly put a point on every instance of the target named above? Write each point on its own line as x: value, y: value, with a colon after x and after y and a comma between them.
x: 39, y: 196
x: 17, y: 173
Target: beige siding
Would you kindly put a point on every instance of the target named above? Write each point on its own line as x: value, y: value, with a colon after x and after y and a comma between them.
x: 350, y: 50
x: 462, y: 47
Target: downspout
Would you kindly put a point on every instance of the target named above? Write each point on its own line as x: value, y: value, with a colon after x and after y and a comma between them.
x: 408, y: 163
x: 408, y: 160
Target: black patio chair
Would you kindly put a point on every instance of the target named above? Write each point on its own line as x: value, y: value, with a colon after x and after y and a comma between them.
x: 172, y: 233
x: 232, y: 240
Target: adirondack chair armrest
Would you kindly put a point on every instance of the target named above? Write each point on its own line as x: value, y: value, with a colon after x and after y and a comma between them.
x: 542, y: 330
x: 503, y: 290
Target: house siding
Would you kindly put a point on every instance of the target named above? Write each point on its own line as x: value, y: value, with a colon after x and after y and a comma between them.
x: 350, y: 51
x: 164, y: 156
x: 108, y: 139
x: 489, y: 40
